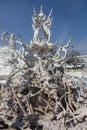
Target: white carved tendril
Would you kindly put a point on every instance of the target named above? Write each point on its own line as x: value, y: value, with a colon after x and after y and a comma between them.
x: 64, y: 49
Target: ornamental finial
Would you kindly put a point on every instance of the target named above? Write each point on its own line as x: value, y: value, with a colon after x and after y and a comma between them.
x: 41, y: 14
x: 34, y: 11
x: 50, y: 13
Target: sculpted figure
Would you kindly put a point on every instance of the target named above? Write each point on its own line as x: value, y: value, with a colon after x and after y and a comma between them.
x: 46, y: 27
x: 10, y: 40
x: 36, y: 32
x: 36, y: 27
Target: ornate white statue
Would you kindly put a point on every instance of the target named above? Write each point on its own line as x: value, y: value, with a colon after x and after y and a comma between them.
x: 42, y: 31
x: 33, y: 86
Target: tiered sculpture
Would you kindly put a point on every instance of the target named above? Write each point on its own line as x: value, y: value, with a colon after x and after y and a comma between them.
x: 36, y: 94
x: 42, y: 32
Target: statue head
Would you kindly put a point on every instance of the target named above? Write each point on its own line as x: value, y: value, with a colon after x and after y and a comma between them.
x: 12, y: 36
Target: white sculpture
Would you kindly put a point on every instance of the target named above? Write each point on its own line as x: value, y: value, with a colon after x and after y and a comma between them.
x: 42, y: 31
x: 47, y: 28
x: 41, y: 44
x: 35, y: 87
x: 36, y: 27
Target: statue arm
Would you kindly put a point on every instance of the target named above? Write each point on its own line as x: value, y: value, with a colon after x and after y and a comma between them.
x: 22, y: 44
x: 19, y: 42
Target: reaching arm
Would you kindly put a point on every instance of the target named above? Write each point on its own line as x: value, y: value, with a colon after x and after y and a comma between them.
x: 3, y: 37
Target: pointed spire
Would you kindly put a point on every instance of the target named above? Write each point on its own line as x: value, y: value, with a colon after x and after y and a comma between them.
x: 34, y: 11
x: 41, y: 9
x: 50, y: 13
x: 41, y: 12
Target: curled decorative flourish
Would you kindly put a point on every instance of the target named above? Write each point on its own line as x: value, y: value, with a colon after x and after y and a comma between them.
x: 46, y: 28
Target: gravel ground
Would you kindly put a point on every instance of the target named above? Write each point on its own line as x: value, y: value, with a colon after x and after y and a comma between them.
x: 77, y: 72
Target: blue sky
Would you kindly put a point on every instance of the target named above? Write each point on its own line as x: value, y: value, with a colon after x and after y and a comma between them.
x: 69, y: 19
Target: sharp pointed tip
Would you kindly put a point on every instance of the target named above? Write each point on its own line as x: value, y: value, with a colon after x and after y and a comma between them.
x: 33, y: 9
x: 41, y: 8
x: 71, y: 38
x: 51, y: 10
